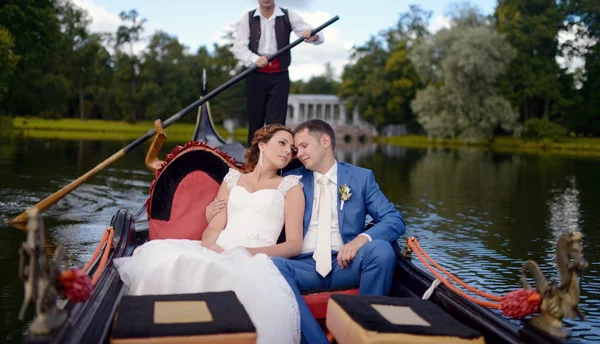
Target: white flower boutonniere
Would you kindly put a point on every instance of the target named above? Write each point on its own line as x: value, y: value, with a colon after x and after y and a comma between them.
x: 344, y: 195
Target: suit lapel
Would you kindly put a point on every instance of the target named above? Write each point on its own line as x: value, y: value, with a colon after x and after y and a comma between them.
x: 343, y: 177
x: 309, y: 187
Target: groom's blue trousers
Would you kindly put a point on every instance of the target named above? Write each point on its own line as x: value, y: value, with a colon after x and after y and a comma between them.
x: 371, y: 271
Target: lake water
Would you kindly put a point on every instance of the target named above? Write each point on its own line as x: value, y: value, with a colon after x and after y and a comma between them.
x: 479, y: 214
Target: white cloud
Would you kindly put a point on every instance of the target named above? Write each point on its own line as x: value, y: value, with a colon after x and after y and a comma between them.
x: 105, y: 21
x: 440, y: 22
x: 102, y: 20
x: 309, y: 59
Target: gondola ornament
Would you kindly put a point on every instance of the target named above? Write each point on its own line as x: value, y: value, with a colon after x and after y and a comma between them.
x: 44, y: 282
x: 41, y: 278
x: 562, y: 301
x: 552, y: 303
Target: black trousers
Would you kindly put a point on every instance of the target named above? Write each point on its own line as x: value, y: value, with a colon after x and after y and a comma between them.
x: 266, y: 99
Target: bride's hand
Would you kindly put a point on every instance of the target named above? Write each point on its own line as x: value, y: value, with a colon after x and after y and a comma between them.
x: 214, y: 247
x: 213, y: 208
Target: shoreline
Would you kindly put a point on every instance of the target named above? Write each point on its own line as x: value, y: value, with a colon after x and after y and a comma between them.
x: 92, y: 129
x: 503, y: 144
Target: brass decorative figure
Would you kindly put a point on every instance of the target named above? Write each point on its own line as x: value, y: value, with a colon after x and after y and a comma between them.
x: 562, y: 301
x: 40, y: 278
x: 407, y: 251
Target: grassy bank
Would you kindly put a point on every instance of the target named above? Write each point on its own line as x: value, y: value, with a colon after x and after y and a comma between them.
x: 76, y: 129
x: 589, y: 146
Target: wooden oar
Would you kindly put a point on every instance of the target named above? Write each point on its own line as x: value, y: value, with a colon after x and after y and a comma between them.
x: 55, y: 197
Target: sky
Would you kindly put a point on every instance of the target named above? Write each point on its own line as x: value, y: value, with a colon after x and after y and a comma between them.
x: 202, y: 23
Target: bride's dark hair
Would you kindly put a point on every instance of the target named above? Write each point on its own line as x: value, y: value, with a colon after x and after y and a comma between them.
x: 263, y: 134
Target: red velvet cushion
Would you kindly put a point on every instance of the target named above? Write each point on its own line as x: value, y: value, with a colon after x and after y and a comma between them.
x: 317, y: 303
x: 188, y: 217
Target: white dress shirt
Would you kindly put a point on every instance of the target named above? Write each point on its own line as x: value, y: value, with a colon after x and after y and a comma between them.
x: 310, y: 239
x: 267, y: 45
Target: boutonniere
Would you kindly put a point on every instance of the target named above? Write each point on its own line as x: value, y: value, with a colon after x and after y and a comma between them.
x: 344, y: 195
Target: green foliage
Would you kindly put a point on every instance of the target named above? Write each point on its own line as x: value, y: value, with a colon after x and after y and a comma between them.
x: 49, y: 115
x: 51, y: 64
x: 531, y: 27
x: 323, y: 84
x: 460, y: 67
x: 8, y: 59
x: 538, y: 129
x: 381, y: 80
x: 6, y: 126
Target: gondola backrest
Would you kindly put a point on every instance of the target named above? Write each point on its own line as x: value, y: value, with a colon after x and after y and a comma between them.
x: 187, y: 182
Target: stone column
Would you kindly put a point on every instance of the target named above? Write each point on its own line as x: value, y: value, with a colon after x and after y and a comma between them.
x: 342, y: 119
x: 296, y: 107
x: 355, y: 116
x: 319, y: 110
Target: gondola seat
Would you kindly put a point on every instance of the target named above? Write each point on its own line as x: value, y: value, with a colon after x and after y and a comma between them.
x: 381, y: 319
x: 186, y: 183
x: 213, y: 317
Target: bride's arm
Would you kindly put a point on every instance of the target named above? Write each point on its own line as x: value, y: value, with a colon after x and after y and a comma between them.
x: 293, y: 217
x: 218, y: 222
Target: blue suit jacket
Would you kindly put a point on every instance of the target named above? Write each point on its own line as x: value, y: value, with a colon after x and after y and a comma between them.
x: 366, y: 198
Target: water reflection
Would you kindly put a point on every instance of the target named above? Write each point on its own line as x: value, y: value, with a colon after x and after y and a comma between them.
x: 479, y: 214
x: 564, y: 209
x: 353, y: 153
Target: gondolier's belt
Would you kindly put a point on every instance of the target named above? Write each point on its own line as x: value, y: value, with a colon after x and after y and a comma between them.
x: 272, y: 67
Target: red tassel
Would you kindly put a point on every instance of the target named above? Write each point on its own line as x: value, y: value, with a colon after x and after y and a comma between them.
x: 521, y: 303
x: 76, y: 284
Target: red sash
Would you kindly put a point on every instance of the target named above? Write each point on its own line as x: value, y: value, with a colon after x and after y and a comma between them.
x: 272, y: 67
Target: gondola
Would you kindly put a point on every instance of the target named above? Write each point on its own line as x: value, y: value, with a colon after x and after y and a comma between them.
x: 203, y: 162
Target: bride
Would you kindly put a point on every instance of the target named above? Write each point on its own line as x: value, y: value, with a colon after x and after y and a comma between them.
x: 236, y: 246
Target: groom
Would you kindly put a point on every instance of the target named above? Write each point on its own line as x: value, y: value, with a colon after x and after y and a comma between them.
x: 337, y: 251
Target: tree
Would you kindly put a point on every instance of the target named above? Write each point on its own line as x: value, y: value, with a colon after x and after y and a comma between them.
x: 37, y: 84
x: 131, y: 34
x: 8, y: 60
x: 460, y: 67
x: 380, y: 78
x: 322, y: 84
x: 165, y: 82
x: 80, y: 49
x: 583, y: 18
x: 531, y: 27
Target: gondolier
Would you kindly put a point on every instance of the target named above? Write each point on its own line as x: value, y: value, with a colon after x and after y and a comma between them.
x: 260, y: 33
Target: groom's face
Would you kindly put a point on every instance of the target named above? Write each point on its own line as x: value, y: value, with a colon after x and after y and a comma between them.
x: 311, y: 149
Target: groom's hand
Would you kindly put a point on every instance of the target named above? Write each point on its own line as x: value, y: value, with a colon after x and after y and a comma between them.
x: 214, y: 208
x: 347, y: 253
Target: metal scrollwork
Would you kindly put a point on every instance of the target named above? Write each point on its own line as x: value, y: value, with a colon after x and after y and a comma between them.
x: 40, y: 277
x: 562, y: 301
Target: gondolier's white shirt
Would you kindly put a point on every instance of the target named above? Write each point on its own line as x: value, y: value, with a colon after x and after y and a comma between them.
x: 267, y: 45
x: 310, y: 239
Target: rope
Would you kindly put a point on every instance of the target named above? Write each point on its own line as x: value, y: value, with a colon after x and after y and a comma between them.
x: 413, y: 244
x: 107, y: 239
x: 456, y: 279
x: 429, y: 291
x: 104, y: 259
x: 97, y: 251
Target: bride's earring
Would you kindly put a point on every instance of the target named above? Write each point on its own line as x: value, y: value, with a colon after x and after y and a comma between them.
x: 260, y: 159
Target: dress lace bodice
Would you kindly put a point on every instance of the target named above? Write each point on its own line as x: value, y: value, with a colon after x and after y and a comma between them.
x: 254, y: 219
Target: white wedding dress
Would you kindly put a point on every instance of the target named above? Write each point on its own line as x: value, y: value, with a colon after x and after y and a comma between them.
x: 176, y: 266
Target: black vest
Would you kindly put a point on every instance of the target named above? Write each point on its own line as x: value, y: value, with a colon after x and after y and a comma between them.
x: 283, y: 29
